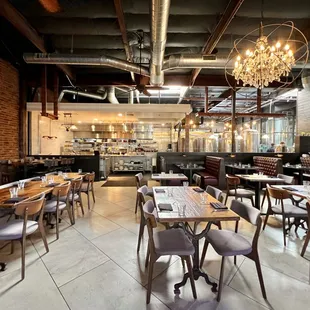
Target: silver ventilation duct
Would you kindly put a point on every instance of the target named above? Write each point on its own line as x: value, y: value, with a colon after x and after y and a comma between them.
x: 159, y: 25
x: 187, y: 61
x: 111, y: 95
x: 130, y: 96
x: 81, y: 93
x: 57, y: 59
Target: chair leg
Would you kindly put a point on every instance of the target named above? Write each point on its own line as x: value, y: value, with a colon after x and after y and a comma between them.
x: 43, y: 236
x: 265, y: 194
x: 221, y: 280
x: 226, y: 199
x: 93, y: 194
x: 241, y: 199
x: 149, y: 284
x: 235, y: 260
x: 137, y: 200
x: 141, y: 231
x: 191, y: 274
x: 219, y: 225
x: 88, y: 200
x: 81, y: 204
x: 182, y: 261
x: 147, y: 256
x: 260, y: 276
x: 70, y: 213
x: 23, y: 245
x: 204, y: 251
x: 266, y: 220
x: 304, y: 248
x: 57, y: 224
x: 284, y: 231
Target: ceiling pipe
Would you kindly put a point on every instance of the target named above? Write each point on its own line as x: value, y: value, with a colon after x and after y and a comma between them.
x: 108, y: 61
x: 130, y: 96
x: 159, y: 26
x: 187, y: 61
x: 111, y: 95
x: 137, y: 95
x: 82, y: 93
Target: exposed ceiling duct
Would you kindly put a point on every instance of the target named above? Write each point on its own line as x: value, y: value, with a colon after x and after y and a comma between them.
x: 82, y: 93
x: 111, y: 95
x: 159, y: 26
x: 130, y: 96
x: 187, y: 61
x: 41, y: 58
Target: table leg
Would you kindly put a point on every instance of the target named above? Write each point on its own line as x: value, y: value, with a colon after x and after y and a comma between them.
x: 300, y: 177
x: 257, y: 195
x: 196, y: 270
x: 190, y: 177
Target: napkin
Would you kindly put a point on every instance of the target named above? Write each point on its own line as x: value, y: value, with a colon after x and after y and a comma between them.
x: 165, y: 207
x: 15, y: 200
x: 52, y: 184
x: 198, y: 190
x: 159, y: 190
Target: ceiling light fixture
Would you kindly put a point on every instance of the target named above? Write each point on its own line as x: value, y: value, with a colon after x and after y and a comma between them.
x: 120, y: 114
x: 68, y: 124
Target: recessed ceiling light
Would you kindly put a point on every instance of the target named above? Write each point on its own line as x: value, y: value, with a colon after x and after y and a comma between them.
x: 95, y: 119
x: 163, y: 124
x: 79, y: 122
x: 120, y: 114
x: 141, y: 122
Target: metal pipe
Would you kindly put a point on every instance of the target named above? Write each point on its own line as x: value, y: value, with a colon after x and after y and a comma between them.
x: 187, y: 61
x: 108, y: 61
x: 82, y: 93
x: 137, y: 95
x: 159, y: 26
x: 130, y: 96
x: 111, y: 95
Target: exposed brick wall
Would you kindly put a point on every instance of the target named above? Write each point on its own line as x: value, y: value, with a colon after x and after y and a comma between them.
x: 9, y: 111
x: 303, y: 112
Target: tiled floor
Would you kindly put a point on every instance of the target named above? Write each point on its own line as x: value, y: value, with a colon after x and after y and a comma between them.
x: 94, y: 265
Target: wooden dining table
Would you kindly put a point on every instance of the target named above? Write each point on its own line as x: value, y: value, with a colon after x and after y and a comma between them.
x: 164, y: 177
x: 196, y: 212
x: 33, y: 189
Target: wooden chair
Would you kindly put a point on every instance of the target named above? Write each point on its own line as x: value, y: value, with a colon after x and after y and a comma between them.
x: 233, y: 189
x: 229, y: 243
x: 287, y: 180
x: 197, y: 179
x: 304, y: 248
x: 19, y: 229
x: 167, y: 242
x: 59, y: 203
x: 139, y: 178
x: 88, y: 186
x: 287, y: 210
x: 142, y: 192
x: 75, y: 198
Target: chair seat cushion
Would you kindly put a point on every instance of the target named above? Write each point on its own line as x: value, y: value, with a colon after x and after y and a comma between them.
x: 228, y: 243
x: 173, y: 242
x: 64, y: 199
x: 14, y: 229
x: 290, y: 209
x: 149, y: 192
x: 206, y: 175
x: 242, y: 192
x: 50, y: 205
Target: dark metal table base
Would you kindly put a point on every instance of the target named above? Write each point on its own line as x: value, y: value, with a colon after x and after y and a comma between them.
x: 191, y: 233
x: 2, y: 266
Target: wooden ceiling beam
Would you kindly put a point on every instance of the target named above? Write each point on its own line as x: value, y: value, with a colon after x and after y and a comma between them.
x: 229, y: 13
x: 228, y: 114
x: 9, y: 12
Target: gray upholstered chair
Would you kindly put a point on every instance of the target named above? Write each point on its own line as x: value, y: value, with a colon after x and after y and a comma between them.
x: 139, y: 178
x: 229, y: 243
x: 57, y: 204
x: 87, y: 187
x: 168, y: 242
x: 142, y: 193
x: 287, y: 180
x: 233, y: 189
x: 19, y: 229
x: 197, y: 179
x: 287, y: 210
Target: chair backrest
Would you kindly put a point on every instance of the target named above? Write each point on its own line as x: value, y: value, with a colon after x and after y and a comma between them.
x: 62, y: 190
x: 232, y: 181
x: 33, y: 206
x: 148, y: 209
x: 287, y: 179
x: 251, y: 215
x: 90, y: 177
x: 277, y: 193
x: 305, y: 161
x: 268, y: 165
x: 214, y: 192
x: 308, y: 209
x: 197, y: 179
x: 142, y: 191
x: 76, y: 185
x: 139, y: 177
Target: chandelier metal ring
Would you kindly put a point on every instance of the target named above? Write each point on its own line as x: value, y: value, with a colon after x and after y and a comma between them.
x: 266, y: 63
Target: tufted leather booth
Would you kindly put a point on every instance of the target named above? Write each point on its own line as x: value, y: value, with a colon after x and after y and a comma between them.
x: 305, y: 161
x: 269, y: 165
x: 214, y: 174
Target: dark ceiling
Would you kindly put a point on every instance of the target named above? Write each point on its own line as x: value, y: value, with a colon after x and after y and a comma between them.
x: 91, y: 27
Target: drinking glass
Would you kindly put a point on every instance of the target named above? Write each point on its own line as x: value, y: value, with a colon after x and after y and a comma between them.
x: 14, y: 192
x: 51, y: 180
x: 44, y: 179
x: 162, y: 173
x: 261, y: 172
x: 182, y: 208
x: 60, y: 173
x: 170, y: 192
x: 20, y: 185
x: 80, y: 171
x: 170, y: 171
x: 203, y: 198
x: 185, y: 184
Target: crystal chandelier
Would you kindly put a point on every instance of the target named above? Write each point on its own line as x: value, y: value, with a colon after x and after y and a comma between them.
x: 266, y: 62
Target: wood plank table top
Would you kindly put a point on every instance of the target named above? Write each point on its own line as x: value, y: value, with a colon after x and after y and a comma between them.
x: 32, y: 189
x: 259, y: 178
x: 195, y: 211
x: 169, y: 176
